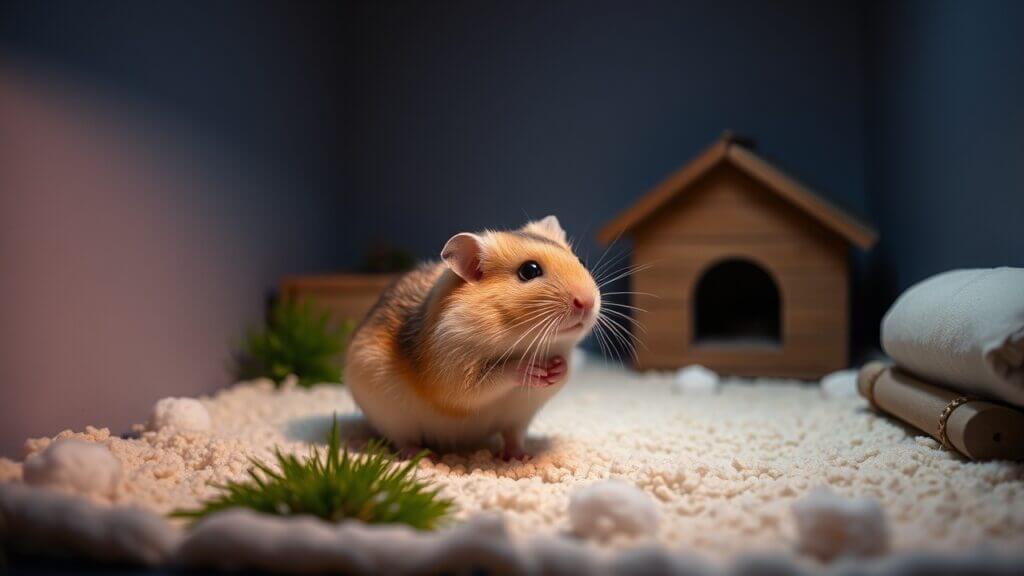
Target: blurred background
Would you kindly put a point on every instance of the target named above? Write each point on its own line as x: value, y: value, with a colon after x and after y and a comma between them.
x: 163, y: 165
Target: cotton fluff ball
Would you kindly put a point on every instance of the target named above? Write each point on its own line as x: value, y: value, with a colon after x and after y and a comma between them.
x: 180, y: 413
x: 612, y: 508
x: 695, y: 379
x: 840, y: 384
x: 76, y: 466
x: 830, y: 526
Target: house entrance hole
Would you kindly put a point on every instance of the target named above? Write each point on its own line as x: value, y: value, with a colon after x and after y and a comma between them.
x: 736, y: 303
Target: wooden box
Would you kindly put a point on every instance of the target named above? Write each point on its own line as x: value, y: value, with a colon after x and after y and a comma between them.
x: 345, y: 296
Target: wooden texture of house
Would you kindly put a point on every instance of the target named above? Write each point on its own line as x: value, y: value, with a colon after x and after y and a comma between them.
x: 348, y: 297
x: 744, y: 269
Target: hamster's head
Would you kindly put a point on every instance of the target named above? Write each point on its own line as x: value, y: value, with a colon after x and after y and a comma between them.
x: 522, y: 288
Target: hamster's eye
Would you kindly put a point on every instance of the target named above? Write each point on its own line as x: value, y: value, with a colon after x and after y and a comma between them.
x: 530, y: 270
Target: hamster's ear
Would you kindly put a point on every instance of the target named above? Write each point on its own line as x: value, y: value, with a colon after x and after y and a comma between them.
x: 547, y: 226
x: 462, y: 254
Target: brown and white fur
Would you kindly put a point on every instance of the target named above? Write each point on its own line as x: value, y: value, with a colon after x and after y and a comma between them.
x: 460, y: 350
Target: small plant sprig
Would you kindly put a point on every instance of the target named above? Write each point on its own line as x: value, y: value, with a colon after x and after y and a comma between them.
x: 299, y: 340
x: 372, y: 489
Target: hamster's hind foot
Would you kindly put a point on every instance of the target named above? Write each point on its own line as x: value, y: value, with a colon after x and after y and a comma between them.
x: 410, y: 452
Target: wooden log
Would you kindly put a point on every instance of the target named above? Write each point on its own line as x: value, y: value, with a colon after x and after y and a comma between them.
x: 978, y: 429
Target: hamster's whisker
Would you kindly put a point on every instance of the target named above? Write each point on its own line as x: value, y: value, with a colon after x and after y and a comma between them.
x: 503, y: 359
x: 612, y: 271
x: 534, y: 315
x: 621, y: 333
x: 508, y: 352
x: 613, y: 342
x: 611, y: 352
x: 626, y: 334
x: 539, y: 325
x: 622, y: 273
x: 626, y: 272
x: 531, y: 315
x: 551, y: 322
x: 625, y: 317
x: 546, y: 338
x: 600, y: 342
x: 614, y: 334
x: 630, y: 293
x: 606, y: 250
x: 618, y: 305
x: 547, y: 345
x: 610, y: 264
x: 547, y: 332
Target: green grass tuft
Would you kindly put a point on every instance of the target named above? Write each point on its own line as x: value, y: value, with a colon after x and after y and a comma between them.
x: 373, y: 489
x: 299, y: 340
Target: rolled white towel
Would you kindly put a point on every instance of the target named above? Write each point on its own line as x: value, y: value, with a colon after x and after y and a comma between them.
x: 963, y: 329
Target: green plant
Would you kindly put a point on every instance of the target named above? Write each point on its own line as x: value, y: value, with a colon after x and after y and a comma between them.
x: 373, y: 489
x: 299, y: 340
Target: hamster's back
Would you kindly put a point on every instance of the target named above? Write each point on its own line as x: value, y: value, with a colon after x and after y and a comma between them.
x: 382, y: 350
x: 403, y: 299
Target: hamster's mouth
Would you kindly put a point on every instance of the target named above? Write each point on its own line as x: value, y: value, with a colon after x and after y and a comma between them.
x: 573, y: 328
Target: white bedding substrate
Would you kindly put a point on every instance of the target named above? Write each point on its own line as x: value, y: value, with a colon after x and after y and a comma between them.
x: 723, y: 469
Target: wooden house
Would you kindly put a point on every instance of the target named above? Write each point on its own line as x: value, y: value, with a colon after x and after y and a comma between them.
x: 745, y: 270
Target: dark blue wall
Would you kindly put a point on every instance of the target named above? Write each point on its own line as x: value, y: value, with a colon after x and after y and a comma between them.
x: 946, y: 164
x: 411, y: 120
x: 477, y: 113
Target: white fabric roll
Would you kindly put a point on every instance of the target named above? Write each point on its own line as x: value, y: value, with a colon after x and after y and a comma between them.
x: 963, y: 329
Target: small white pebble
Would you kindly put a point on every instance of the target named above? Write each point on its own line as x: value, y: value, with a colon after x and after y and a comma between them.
x: 695, y: 379
x: 180, y: 413
x: 839, y: 384
x: 830, y: 526
x: 610, y: 509
x: 75, y: 466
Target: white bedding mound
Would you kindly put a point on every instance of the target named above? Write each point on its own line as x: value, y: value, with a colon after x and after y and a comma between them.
x: 74, y: 466
x: 696, y: 379
x: 722, y: 472
x: 180, y: 413
x: 830, y: 526
x: 610, y: 509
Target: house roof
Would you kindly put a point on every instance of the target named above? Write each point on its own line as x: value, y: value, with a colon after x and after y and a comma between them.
x: 729, y: 150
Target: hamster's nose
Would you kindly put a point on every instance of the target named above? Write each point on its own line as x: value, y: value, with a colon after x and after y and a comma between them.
x: 582, y: 304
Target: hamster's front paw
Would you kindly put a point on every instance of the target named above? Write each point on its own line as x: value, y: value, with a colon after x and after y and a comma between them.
x: 542, y: 375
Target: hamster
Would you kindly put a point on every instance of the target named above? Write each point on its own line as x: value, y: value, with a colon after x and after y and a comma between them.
x: 458, y: 351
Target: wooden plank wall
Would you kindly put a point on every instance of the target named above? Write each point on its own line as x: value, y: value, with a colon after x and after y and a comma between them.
x: 728, y: 215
